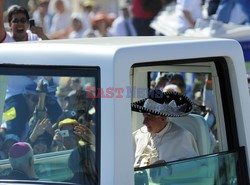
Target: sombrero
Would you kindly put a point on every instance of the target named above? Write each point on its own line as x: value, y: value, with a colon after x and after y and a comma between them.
x: 167, y: 104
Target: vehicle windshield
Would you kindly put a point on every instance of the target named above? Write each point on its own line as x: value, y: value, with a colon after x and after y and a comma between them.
x: 49, y: 125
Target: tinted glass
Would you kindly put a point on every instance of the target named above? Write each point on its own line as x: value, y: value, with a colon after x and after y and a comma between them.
x: 52, y: 111
x: 208, y: 170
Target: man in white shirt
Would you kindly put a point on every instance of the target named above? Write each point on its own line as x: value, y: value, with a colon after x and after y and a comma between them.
x: 160, y: 140
x: 18, y: 19
x: 187, y: 11
x: 123, y: 25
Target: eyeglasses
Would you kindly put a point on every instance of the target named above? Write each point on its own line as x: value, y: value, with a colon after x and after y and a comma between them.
x: 16, y: 21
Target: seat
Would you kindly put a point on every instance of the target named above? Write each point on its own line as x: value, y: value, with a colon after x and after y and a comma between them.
x: 197, y: 125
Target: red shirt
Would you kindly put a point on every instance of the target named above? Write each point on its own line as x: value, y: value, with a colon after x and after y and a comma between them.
x: 139, y: 12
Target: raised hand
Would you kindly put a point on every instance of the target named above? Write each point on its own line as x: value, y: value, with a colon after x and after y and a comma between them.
x: 85, y: 133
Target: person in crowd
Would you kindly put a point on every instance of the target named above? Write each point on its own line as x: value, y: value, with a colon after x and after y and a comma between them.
x: 161, y: 81
x: 46, y: 111
x: 65, y: 138
x: 160, y: 140
x: 100, y: 25
x: 32, y: 103
x: 144, y: 12
x: 60, y: 26
x: 41, y: 15
x: 77, y: 26
x: 198, y: 88
x: 42, y: 132
x: 75, y: 105
x: 47, y: 103
x: 187, y: 12
x: 18, y: 19
x: 212, y: 6
x: 123, y: 25
x: 62, y: 91
x: 233, y: 11
x: 71, y: 134
x: 61, y: 94
x: 21, y: 159
x: 18, y: 110
x: 88, y: 13
x: 178, y: 80
x: 16, y: 84
x: 41, y: 145
x: 75, y: 83
x: 82, y: 163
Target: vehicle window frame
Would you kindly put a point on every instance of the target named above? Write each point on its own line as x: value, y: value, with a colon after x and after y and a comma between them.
x: 229, y: 119
x: 224, y: 84
x: 64, y: 71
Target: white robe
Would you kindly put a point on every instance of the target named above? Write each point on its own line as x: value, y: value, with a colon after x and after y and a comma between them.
x: 170, y: 144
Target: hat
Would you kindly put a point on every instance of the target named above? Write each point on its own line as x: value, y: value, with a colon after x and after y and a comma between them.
x: 168, y: 104
x: 42, y: 1
x: 77, y: 15
x: 88, y: 3
x: 19, y: 149
x: 67, y: 121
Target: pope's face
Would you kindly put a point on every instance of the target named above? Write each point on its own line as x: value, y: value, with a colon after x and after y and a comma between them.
x: 154, y: 123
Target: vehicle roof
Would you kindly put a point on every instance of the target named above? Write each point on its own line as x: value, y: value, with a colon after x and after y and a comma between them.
x: 127, y: 41
x: 114, y: 50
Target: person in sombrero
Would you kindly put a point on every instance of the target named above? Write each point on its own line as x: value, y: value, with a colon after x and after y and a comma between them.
x: 160, y: 140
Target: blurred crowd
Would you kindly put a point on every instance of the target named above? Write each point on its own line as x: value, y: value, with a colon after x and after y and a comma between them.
x: 59, y: 21
x: 52, y: 114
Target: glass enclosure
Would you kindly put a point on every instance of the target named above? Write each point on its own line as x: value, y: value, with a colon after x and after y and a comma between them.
x: 215, y: 169
x: 52, y: 112
x: 163, y: 156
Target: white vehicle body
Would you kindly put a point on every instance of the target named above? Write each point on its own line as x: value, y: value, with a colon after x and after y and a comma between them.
x: 117, y: 60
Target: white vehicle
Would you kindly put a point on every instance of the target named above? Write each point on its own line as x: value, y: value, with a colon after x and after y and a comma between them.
x: 114, y: 72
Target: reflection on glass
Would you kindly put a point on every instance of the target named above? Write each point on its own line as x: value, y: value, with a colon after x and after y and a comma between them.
x: 57, y: 118
x: 217, y: 169
x: 198, y: 87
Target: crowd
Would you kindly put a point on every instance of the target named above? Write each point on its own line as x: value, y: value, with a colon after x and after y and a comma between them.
x: 49, y: 114
x: 56, y: 19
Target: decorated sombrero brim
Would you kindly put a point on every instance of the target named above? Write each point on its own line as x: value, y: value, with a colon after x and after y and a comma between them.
x: 168, y: 104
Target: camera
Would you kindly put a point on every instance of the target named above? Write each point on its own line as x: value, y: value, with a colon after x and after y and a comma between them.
x: 32, y: 22
x: 64, y: 133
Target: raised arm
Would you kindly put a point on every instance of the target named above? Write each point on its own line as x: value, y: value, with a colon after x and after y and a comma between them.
x: 2, y: 29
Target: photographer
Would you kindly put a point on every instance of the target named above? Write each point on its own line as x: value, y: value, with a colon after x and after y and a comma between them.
x: 65, y: 137
x: 71, y: 134
x: 46, y: 111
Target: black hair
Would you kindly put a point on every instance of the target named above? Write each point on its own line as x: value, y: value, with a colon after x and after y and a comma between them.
x: 16, y: 9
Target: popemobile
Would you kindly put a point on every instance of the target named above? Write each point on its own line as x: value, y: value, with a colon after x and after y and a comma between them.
x: 101, y: 89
